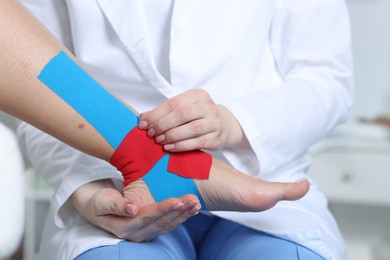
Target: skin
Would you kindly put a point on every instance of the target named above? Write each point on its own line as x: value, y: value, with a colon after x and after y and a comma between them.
x: 192, y: 120
x: 25, y: 48
x: 107, y: 208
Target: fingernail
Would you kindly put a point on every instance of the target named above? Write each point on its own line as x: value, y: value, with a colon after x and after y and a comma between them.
x: 178, y: 206
x: 151, y: 132
x: 160, y: 139
x: 193, y: 203
x: 169, y: 147
x: 142, y: 125
x: 131, y: 209
x: 194, y: 211
x: 300, y: 180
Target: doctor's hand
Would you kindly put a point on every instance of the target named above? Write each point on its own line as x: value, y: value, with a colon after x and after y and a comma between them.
x: 190, y: 121
x: 133, y: 217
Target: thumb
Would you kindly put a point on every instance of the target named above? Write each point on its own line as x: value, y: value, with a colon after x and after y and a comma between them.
x: 111, y: 202
x: 131, y: 209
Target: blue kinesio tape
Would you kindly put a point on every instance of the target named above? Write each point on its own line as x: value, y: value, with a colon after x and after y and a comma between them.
x: 112, y: 119
x: 174, y: 186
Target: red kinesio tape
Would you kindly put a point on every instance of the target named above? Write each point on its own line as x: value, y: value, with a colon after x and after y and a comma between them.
x: 193, y: 164
x: 138, y: 153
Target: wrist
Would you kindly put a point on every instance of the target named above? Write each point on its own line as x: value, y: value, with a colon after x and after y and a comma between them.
x: 234, y: 134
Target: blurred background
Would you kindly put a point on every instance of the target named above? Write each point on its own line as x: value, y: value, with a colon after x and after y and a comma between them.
x: 352, y: 165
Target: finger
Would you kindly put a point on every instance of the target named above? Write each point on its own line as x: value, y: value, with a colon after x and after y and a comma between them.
x: 141, y: 228
x: 208, y: 141
x: 152, y: 212
x: 146, y: 119
x: 127, y: 228
x: 175, y: 221
x: 190, y: 130
x: 171, y: 220
x: 182, y: 115
x: 165, y: 108
x: 192, y: 208
x: 189, y: 97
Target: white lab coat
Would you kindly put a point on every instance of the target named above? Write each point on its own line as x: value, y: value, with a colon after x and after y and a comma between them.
x: 283, y: 67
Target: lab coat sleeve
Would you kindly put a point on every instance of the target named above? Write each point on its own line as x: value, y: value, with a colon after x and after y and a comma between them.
x: 63, y: 168
x: 310, y: 42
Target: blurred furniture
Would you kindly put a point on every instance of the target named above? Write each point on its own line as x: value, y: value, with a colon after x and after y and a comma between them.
x: 354, y: 174
x: 352, y: 168
x: 12, y: 199
x: 38, y: 195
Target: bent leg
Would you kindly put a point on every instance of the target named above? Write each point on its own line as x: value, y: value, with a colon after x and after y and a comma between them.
x: 138, y: 156
x: 175, y: 245
x: 230, y: 240
x: 28, y: 98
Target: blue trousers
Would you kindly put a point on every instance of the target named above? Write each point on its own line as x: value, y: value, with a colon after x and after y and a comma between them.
x: 206, y: 237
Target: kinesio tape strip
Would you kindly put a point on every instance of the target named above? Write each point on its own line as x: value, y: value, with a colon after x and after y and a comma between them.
x: 193, y: 164
x: 112, y: 119
x: 136, y: 156
x: 174, y: 186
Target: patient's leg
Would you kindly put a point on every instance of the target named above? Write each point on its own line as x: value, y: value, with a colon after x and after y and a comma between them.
x: 27, y: 47
x: 138, y: 156
x: 230, y: 190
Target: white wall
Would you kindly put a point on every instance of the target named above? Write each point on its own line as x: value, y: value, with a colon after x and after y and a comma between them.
x: 371, y: 47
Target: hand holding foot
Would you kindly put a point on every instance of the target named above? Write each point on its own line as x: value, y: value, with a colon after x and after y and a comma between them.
x: 128, y: 216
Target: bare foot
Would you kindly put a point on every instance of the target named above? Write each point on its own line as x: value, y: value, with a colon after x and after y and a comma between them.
x: 230, y: 190
x: 139, y: 192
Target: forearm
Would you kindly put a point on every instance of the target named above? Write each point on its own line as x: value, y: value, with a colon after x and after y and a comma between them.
x: 43, y: 85
x: 55, y: 94
x: 25, y: 48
